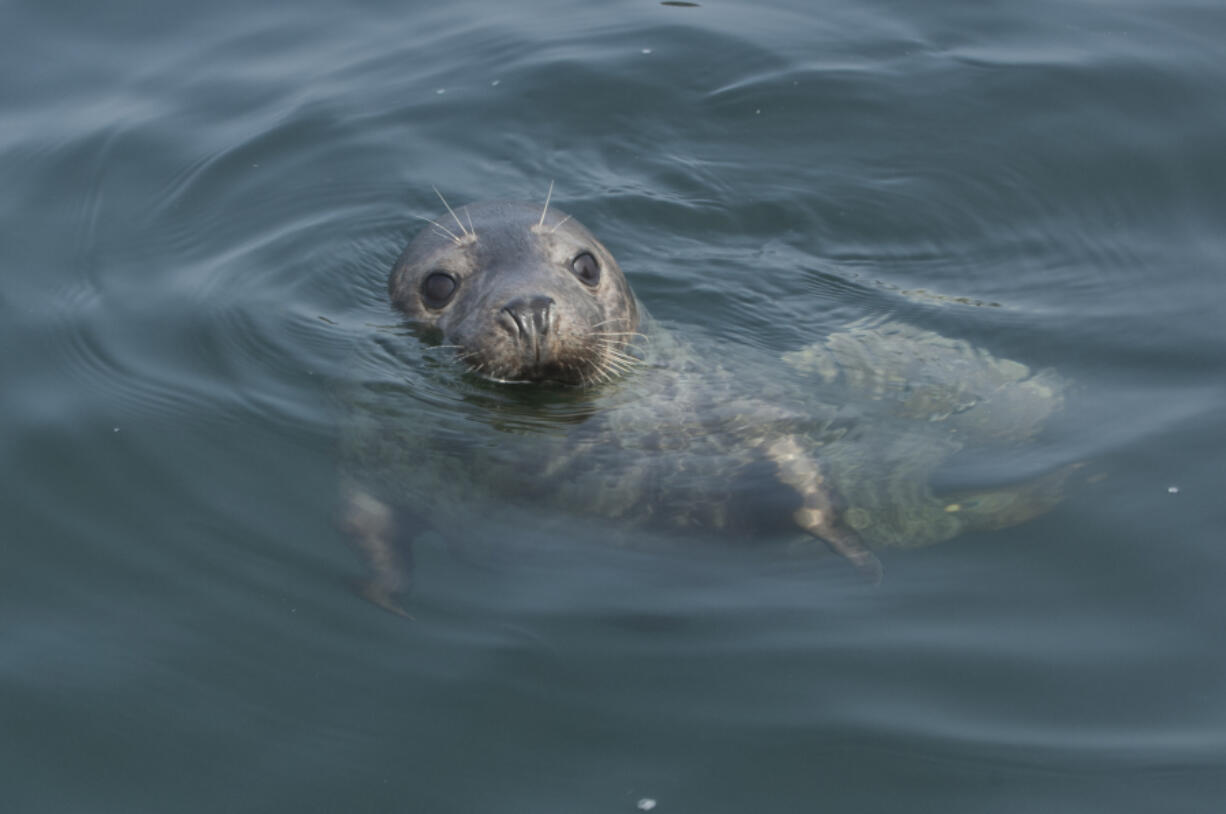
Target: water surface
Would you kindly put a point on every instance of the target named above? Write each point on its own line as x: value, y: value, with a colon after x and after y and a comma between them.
x: 201, y: 204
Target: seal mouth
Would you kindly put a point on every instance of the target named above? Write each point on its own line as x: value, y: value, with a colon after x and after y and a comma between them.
x: 593, y: 363
x: 536, y: 372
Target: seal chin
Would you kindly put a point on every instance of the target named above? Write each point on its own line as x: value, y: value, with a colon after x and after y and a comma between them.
x: 529, y: 366
x: 547, y: 375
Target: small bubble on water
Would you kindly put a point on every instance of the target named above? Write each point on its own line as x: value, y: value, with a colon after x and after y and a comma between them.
x: 1174, y: 490
x: 496, y: 83
x: 646, y: 50
x: 646, y: 804
x: 441, y: 91
x: 115, y: 429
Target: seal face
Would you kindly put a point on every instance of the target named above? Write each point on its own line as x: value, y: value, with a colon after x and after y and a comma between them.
x: 524, y: 294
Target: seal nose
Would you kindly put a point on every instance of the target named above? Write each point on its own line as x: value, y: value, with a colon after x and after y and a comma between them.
x: 529, y: 318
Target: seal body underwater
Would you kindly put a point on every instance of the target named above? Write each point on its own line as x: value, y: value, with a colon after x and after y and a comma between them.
x: 587, y: 407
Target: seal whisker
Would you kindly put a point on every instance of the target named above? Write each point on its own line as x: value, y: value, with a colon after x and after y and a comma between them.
x: 619, y: 368
x: 452, y: 211
x: 445, y: 231
x: 468, y: 358
x: 621, y: 362
x: 558, y: 225
x: 440, y: 226
x: 619, y: 321
x: 611, y: 341
x: 545, y: 211
x: 621, y: 353
x: 595, y: 374
x: 616, y: 351
x: 614, y: 363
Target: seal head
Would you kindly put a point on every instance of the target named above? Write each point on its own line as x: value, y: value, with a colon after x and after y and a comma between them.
x: 523, y: 294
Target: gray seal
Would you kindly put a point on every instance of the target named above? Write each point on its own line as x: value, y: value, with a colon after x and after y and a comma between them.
x: 595, y: 410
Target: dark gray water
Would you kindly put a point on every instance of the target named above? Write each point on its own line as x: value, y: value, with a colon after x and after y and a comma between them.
x: 200, y: 204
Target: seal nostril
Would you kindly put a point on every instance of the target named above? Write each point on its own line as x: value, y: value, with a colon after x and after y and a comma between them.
x: 510, y: 318
x: 529, y: 317
x: 542, y: 314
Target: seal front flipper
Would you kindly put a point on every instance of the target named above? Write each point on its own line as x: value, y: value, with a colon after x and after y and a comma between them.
x: 818, y: 514
x: 370, y: 523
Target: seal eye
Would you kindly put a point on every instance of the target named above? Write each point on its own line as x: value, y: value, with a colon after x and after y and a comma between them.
x: 438, y: 288
x: 586, y: 269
